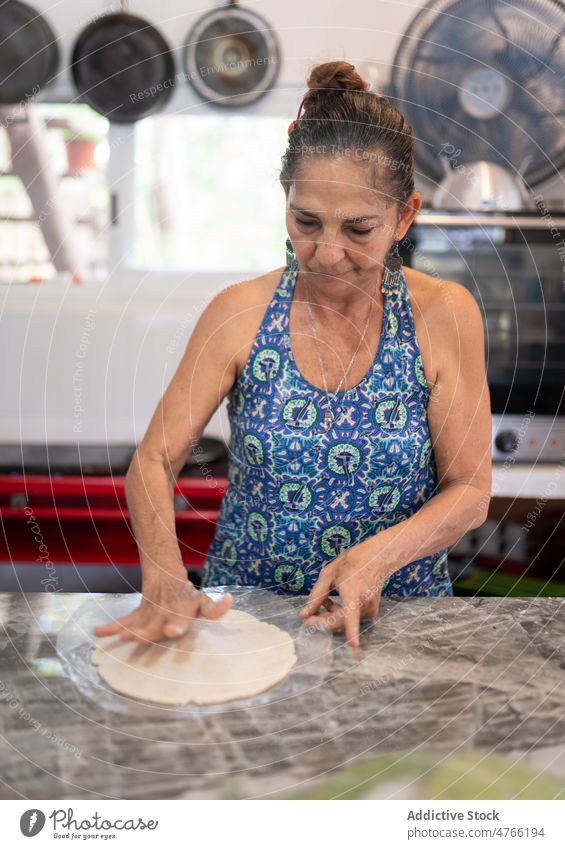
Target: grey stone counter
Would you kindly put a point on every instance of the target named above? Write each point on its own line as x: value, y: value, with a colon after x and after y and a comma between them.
x: 431, y: 673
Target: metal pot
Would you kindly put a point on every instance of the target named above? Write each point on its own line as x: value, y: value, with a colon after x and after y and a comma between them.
x: 29, y: 56
x: 123, y: 67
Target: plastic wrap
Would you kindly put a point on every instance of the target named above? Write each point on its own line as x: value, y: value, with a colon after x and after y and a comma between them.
x: 76, y: 640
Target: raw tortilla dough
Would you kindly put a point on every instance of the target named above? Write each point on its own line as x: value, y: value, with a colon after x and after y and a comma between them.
x: 215, y: 661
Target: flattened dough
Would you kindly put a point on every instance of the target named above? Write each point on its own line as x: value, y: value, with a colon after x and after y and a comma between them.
x: 217, y: 660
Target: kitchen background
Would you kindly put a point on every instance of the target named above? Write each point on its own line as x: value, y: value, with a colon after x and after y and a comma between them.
x: 120, y: 218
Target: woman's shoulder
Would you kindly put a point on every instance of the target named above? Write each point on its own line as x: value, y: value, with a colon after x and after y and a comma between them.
x: 253, y: 290
x: 247, y: 302
x: 442, y: 311
x: 446, y: 316
x: 437, y: 298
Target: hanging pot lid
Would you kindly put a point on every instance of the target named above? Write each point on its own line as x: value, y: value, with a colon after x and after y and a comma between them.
x: 29, y: 56
x: 123, y: 67
x: 231, y: 56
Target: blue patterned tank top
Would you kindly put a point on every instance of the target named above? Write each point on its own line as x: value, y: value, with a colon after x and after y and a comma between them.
x: 300, y: 492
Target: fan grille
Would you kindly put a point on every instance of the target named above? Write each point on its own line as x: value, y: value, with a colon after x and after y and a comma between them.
x: 483, y: 79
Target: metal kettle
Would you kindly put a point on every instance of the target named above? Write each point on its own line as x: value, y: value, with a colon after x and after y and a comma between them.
x: 481, y: 185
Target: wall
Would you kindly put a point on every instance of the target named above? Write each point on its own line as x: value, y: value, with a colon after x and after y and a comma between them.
x: 307, y: 32
x: 125, y: 327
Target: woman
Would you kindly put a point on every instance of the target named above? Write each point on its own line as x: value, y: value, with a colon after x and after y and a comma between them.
x: 342, y: 372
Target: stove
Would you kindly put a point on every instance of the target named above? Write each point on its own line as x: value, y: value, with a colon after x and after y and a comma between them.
x: 514, y: 265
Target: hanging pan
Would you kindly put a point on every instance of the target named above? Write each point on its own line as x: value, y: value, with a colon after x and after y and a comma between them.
x: 123, y: 67
x: 29, y: 56
x: 231, y: 56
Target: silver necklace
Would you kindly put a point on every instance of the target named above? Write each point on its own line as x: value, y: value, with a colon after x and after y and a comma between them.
x: 328, y: 413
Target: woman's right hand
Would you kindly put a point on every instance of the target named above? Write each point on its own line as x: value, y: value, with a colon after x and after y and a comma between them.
x: 169, y: 606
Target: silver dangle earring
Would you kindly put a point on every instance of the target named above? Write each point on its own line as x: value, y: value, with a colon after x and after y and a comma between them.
x: 290, y: 255
x: 392, y: 271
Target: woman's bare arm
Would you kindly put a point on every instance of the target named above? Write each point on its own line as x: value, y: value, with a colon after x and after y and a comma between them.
x: 202, y: 380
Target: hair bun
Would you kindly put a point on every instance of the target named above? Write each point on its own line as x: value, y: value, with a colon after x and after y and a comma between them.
x: 336, y: 75
x: 345, y: 116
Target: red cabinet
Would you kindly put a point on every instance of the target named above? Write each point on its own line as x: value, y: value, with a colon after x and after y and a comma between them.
x: 84, y: 519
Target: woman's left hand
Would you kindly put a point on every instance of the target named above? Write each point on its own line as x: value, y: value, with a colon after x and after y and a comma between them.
x: 359, y: 583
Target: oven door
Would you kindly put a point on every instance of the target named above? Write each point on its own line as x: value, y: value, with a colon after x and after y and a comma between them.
x: 514, y: 266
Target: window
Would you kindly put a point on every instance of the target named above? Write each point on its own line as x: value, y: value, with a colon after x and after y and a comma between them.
x: 207, y: 192
x: 53, y: 218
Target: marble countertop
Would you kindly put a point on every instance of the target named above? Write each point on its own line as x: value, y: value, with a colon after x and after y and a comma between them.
x: 431, y: 673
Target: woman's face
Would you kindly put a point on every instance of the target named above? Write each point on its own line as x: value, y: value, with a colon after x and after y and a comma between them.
x: 337, y: 224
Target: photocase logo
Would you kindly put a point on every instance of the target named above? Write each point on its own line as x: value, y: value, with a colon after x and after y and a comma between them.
x: 31, y: 822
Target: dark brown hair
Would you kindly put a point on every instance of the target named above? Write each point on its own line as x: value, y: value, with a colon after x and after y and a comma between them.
x: 342, y: 117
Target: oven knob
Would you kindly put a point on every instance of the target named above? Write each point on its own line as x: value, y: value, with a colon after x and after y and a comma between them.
x: 506, y: 441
